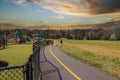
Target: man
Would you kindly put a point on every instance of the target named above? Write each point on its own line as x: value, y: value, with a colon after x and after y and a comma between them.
x: 61, y: 41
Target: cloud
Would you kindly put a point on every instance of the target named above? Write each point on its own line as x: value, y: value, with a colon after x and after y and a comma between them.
x: 20, y: 1
x: 64, y: 7
x: 79, y: 7
x: 103, y: 6
x: 5, y: 0
x: 39, y: 11
x: 30, y: 24
x: 58, y: 17
x: 4, y: 21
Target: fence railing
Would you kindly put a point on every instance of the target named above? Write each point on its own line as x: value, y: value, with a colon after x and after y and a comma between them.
x: 31, y: 70
x: 13, y: 73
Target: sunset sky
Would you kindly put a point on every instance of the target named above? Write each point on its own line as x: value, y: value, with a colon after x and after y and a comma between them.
x: 59, y: 12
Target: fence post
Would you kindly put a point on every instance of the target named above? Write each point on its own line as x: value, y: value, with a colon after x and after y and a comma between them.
x: 27, y: 71
x: 33, y: 48
x: 31, y: 67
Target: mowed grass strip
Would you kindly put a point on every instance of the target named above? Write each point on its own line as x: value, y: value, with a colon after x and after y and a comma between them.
x: 105, y: 55
x: 16, y: 54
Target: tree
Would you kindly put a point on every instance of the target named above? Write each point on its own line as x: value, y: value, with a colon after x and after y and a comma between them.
x: 113, y: 37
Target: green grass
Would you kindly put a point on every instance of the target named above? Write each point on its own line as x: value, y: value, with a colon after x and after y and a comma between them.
x: 105, y: 55
x: 16, y: 54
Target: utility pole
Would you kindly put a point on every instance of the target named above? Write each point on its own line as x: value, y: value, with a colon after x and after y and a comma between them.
x: 48, y: 32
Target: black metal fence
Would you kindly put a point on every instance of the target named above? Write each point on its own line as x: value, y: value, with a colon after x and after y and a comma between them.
x: 13, y: 73
x: 28, y: 71
x: 31, y: 70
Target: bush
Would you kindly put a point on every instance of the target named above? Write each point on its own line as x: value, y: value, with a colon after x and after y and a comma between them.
x: 3, y: 63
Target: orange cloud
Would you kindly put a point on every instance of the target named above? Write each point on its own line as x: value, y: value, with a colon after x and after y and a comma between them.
x: 78, y: 7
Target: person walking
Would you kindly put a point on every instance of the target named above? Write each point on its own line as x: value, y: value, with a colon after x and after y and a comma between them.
x: 61, y: 41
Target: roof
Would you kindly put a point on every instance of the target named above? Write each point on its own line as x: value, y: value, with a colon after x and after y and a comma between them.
x: 41, y: 36
x: 1, y: 32
x: 38, y: 35
x: 17, y: 32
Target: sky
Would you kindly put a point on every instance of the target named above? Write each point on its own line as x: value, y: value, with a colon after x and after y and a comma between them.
x: 59, y: 12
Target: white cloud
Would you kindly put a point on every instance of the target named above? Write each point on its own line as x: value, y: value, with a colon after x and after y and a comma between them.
x: 63, y: 7
x: 39, y: 11
x: 59, y: 6
x: 58, y: 17
x: 72, y: 7
x: 20, y: 1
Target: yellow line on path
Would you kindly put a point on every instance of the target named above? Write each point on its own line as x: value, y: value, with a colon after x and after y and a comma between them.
x: 71, y: 72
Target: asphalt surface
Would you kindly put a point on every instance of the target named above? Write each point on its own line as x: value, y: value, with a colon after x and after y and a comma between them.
x: 81, y: 70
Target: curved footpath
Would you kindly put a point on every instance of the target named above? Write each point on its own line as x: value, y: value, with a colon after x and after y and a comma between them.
x: 72, y: 69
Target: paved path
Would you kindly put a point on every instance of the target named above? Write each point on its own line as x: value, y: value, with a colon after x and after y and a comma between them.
x: 72, y: 69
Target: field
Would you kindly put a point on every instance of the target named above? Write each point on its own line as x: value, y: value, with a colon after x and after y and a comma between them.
x: 105, y: 55
x: 16, y: 54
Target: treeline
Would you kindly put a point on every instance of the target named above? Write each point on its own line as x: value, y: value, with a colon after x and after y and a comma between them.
x: 80, y: 34
x: 92, y: 34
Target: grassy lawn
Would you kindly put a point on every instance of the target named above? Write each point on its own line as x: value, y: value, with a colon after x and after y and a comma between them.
x: 16, y: 54
x: 105, y: 55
